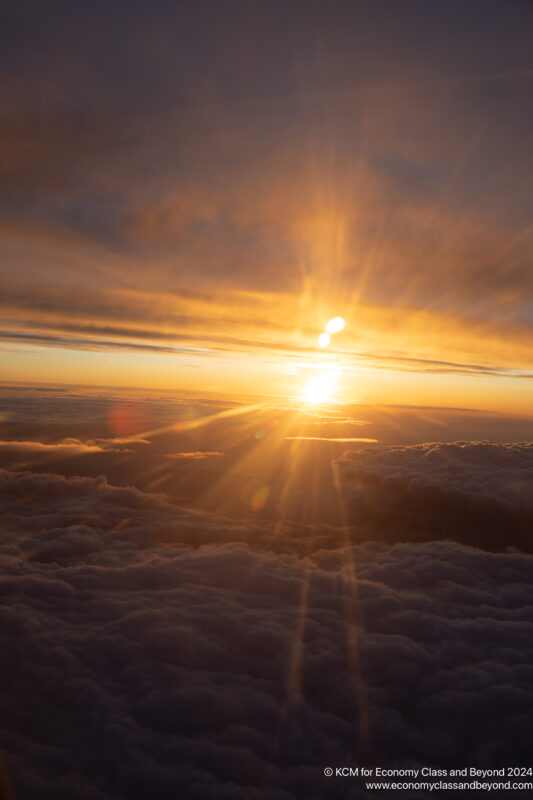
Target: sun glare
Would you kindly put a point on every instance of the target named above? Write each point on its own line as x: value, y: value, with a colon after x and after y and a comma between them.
x: 335, y: 325
x: 321, y: 387
x: 323, y: 339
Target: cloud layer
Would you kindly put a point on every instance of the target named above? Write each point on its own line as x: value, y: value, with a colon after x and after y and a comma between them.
x: 139, y: 667
x: 479, y: 492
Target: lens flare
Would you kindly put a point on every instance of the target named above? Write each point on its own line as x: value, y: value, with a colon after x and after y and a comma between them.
x: 323, y: 339
x: 335, y: 325
x: 269, y: 427
x: 259, y: 498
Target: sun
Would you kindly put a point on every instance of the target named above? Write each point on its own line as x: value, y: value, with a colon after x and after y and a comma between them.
x: 320, y: 388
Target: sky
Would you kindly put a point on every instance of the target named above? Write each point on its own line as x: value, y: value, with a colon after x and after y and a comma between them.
x: 190, y: 193
x: 266, y: 430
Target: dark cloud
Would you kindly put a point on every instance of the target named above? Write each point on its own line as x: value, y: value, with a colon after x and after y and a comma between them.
x: 478, y: 492
x: 136, y: 666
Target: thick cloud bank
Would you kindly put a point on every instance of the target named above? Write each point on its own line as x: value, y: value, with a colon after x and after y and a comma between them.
x: 134, y: 667
x: 477, y: 492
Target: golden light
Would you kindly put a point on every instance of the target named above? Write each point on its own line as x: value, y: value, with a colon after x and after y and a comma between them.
x: 335, y: 325
x: 323, y: 339
x: 321, y: 387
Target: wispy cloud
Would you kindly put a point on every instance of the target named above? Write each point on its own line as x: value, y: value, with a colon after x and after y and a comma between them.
x: 95, y: 344
x: 194, y: 455
x: 331, y: 439
x: 69, y: 446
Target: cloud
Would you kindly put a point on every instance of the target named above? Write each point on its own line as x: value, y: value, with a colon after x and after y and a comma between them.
x: 331, y: 439
x: 419, y: 180
x: 138, y: 665
x: 194, y: 456
x: 83, y: 343
x: 70, y: 446
x: 117, y: 441
x: 65, y: 447
x: 479, y: 492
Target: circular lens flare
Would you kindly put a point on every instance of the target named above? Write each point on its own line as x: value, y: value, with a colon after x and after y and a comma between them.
x: 259, y: 498
x: 335, y: 325
x: 323, y: 339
